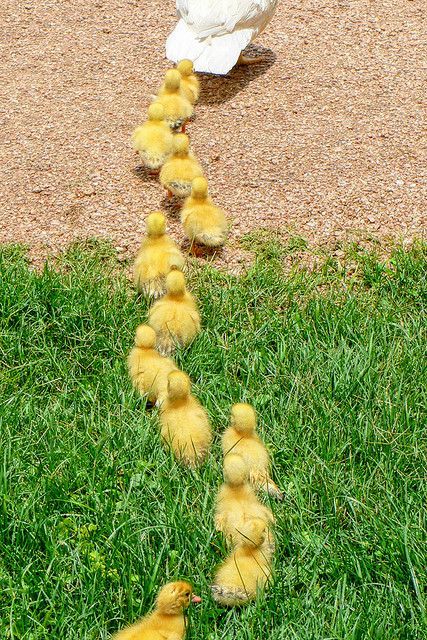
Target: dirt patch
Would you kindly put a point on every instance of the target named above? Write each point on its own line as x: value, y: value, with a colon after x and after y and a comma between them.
x: 326, y: 139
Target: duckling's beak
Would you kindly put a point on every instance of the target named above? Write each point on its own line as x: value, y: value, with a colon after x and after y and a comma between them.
x: 196, y: 599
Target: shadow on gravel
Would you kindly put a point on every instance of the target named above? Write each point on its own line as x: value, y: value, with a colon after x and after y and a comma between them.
x: 219, y: 89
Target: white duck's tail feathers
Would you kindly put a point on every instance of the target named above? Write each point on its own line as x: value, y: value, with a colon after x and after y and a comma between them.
x: 216, y: 55
x: 182, y: 44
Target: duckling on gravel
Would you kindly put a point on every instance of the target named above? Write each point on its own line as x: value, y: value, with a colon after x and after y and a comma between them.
x: 177, y: 109
x: 153, y: 140
x: 179, y: 171
x: 203, y: 222
x: 190, y: 85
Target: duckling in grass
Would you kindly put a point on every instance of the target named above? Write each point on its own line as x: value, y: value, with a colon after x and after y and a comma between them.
x: 241, y: 438
x: 177, y: 109
x: 175, y: 317
x: 190, y: 85
x: 247, y: 569
x: 154, y: 139
x: 167, y: 622
x: 236, y: 501
x: 148, y: 370
x: 184, y: 423
x: 204, y: 222
x: 179, y: 171
x: 156, y: 257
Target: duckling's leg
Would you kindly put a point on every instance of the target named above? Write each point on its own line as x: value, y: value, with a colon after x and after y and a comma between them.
x: 197, y: 251
x: 244, y: 60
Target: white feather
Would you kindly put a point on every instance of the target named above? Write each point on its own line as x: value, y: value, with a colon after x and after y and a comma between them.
x: 213, y: 34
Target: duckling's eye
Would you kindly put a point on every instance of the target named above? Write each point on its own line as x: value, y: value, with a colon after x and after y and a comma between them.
x: 187, y: 593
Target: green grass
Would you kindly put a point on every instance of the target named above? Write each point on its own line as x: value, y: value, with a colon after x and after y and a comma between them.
x: 95, y: 515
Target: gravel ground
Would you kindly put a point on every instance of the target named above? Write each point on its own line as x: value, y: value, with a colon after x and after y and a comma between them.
x: 326, y: 139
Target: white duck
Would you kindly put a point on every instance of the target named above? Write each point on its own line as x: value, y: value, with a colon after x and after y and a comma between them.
x: 213, y: 33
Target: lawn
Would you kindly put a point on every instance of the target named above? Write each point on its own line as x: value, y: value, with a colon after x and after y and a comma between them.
x: 95, y: 515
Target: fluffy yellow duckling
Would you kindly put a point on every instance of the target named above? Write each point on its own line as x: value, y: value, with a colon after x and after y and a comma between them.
x: 177, y: 108
x: 190, y: 85
x: 247, y: 569
x: 175, y: 317
x: 148, y: 370
x: 241, y: 438
x: 204, y: 222
x: 184, y: 423
x: 167, y: 622
x: 154, y: 139
x: 236, y: 500
x: 157, y: 255
x: 179, y: 171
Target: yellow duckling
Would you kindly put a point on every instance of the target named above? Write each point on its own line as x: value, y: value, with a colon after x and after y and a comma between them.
x: 241, y: 438
x: 175, y: 317
x: 179, y: 171
x: 204, y: 222
x: 148, y: 370
x: 247, y: 569
x: 236, y: 500
x: 167, y: 622
x: 184, y: 423
x: 190, y: 85
x: 157, y: 255
x: 154, y: 139
x: 177, y: 109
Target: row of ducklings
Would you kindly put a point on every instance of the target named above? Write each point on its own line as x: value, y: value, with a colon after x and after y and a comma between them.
x: 156, y: 258
x: 185, y: 426
x: 169, y: 153
x: 171, y: 110
x: 186, y: 430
